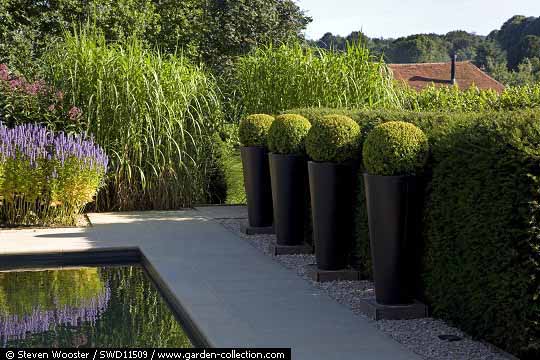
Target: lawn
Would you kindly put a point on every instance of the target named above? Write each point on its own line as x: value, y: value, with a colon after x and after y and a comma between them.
x: 235, y: 180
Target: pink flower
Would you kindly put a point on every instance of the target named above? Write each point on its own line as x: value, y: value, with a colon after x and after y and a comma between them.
x: 51, y: 107
x: 74, y: 113
x: 15, y: 84
x: 60, y: 95
x: 34, y: 88
x: 4, y: 72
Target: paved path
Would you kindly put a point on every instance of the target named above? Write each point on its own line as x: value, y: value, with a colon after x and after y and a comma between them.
x: 236, y: 296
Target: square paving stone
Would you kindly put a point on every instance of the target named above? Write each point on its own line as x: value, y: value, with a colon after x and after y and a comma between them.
x: 319, y: 275
x: 376, y: 311
x: 252, y: 230
x: 291, y: 250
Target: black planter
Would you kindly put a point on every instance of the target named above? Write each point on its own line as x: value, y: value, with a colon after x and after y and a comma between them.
x: 393, y: 207
x: 289, y: 175
x: 257, y: 184
x: 332, y: 193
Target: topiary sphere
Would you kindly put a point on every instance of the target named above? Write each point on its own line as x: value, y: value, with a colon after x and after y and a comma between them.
x: 334, y: 138
x: 395, y: 148
x: 253, y: 129
x: 287, y: 134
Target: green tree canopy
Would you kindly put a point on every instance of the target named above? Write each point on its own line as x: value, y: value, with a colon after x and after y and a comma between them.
x: 514, y: 36
x: 234, y: 27
x: 212, y: 31
x: 419, y: 49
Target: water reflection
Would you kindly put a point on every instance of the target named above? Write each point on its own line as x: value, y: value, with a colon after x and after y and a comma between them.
x: 86, y: 307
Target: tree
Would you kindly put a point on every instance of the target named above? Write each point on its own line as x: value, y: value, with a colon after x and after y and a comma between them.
x: 357, y: 37
x: 234, y: 27
x: 329, y: 41
x: 27, y: 27
x: 213, y: 31
x: 530, y: 47
x: 512, y: 35
x: 418, y: 49
x: 180, y: 25
x: 460, y: 40
x: 489, y: 52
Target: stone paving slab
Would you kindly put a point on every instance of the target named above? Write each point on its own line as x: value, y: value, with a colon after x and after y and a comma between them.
x: 224, y: 211
x: 235, y: 296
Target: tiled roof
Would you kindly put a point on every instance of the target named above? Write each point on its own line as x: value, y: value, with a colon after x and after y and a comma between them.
x: 420, y: 76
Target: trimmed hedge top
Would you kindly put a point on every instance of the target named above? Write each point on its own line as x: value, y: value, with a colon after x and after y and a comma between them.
x: 253, y: 129
x: 287, y: 134
x: 395, y: 148
x: 333, y: 138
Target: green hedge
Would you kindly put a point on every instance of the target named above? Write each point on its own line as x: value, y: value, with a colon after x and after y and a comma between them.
x: 480, y: 233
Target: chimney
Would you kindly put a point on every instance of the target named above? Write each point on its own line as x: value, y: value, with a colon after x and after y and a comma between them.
x: 453, y: 70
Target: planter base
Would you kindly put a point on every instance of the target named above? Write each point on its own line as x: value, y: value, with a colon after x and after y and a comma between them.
x: 291, y: 250
x: 377, y: 311
x: 253, y: 230
x: 319, y: 275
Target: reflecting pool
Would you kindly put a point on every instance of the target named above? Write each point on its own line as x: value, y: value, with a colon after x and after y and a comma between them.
x: 111, y: 306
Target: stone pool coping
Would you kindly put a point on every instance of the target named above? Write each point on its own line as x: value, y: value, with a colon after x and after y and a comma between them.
x: 225, y: 291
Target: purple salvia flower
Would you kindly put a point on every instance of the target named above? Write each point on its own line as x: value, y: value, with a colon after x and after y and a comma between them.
x: 33, y: 143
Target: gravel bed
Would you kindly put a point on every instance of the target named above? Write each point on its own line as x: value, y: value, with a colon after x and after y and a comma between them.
x: 419, y: 335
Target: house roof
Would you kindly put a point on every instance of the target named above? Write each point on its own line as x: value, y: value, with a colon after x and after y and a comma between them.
x: 419, y: 76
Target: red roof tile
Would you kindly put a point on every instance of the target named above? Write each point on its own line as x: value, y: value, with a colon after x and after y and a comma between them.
x: 420, y: 76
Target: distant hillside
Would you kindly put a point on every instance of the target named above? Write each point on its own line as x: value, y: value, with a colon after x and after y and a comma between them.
x: 511, y: 54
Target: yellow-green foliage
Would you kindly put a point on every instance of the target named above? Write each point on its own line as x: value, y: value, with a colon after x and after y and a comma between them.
x: 333, y: 138
x: 253, y: 129
x: 20, y: 179
x: 287, y: 134
x: 276, y: 78
x: 32, y: 195
x: 21, y: 293
x: 395, y: 148
x: 75, y: 183
x: 447, y: 98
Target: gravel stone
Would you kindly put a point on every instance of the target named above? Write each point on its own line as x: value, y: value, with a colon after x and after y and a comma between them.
x: 419, y: 335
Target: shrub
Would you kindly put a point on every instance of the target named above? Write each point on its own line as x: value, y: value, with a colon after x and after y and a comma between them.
x: 334, y: 138
x: 154, y: 114
x: 253, y: 130
x: 23, y: 101
x: 287, y: 134
x: 47, y: 178
x: 481, y: 234
x: 446, y: 98
x: 395, y: 148
x: 480, y: 265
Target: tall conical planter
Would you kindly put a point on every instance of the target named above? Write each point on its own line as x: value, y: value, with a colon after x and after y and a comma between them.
x: 288, y: 174
x: 331, y: 188
x: 257, y: 185
x: 392, y: 204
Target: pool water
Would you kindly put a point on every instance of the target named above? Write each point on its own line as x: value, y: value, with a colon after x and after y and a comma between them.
x: 111, y: 306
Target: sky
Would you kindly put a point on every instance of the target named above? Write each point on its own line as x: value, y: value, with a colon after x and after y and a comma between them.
x: 396, y: 18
